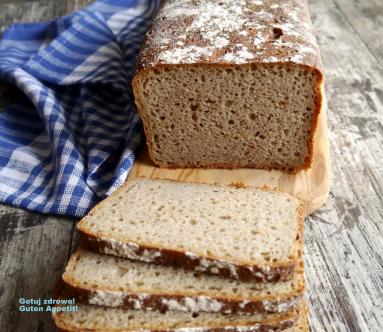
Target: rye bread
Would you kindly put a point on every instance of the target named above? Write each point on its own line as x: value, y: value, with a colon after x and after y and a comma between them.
x: 230, y: 84
x: 241, y: 233
x: 96, y: 319
x: 109, y: 281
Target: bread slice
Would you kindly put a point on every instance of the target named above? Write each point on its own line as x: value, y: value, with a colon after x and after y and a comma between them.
x: 241, y: 233
x: 96, y: 319
x: 230, y: 84
x: 116, y: 282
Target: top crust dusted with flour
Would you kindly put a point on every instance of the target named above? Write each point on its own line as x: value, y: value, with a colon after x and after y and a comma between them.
x: 242, y: 233
x: 231, y: 32
x: 230, y: 84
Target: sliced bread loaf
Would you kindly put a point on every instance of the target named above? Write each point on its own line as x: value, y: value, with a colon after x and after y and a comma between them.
x: 230, y: 84
x: 116, y: 282
x: 241, y: 233
x: 96, y: 319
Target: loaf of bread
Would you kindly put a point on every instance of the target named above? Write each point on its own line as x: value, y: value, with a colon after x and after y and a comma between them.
x: 116, y: 282
x: 228, y: 84
x: 102, y: 319
x: 241, y: 233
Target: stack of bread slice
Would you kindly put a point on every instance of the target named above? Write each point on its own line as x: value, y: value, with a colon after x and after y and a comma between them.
x: 162, y: 255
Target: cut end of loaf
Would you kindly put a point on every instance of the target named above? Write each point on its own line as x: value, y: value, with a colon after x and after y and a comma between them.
x: 254, y: 115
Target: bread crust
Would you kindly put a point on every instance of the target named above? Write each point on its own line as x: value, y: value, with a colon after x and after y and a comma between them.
x: 161, y: 303
x: 303, y: 324
x: 182, y: 301
x: 285, y: 322
x: 268, y: 55
x: 282, y: 326
x: 167, y: 29
x: 244, y: 271
x: 175, y: 258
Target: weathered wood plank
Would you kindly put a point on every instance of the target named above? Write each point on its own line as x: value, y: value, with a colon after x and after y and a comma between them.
x: 343, y: 244
x: 36, y: 10
x: 34, y: 250
x: 366, y: 18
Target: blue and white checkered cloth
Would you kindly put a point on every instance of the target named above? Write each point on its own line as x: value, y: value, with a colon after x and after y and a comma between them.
x: 69, y: 139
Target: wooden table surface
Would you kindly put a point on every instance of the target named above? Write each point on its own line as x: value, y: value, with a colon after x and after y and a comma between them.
x: 343, y: 240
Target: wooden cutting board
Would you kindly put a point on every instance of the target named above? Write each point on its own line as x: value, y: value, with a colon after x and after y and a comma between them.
x: 311, y: 186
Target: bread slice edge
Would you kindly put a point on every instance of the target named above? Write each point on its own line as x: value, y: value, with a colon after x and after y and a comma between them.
x: 245, y: 271
x: 288, y: 322
x: 179, y: 300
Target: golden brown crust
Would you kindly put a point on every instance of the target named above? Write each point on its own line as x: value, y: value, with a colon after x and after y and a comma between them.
x: 303, y: 325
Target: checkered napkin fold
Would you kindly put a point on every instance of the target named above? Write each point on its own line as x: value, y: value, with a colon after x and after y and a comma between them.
x: 68, y: 138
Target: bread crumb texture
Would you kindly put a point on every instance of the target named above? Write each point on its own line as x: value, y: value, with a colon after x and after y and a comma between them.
x: 230, y: 84
x: 243, y: 225
x: 119, y: 276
